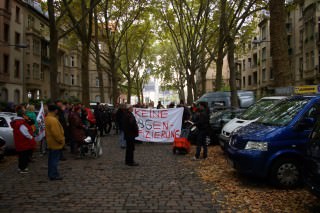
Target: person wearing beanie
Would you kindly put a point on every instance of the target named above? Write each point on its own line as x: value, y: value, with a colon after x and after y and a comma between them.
x: 23, y: 139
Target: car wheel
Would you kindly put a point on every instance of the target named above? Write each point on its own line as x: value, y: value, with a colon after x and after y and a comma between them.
x: 285, y: 173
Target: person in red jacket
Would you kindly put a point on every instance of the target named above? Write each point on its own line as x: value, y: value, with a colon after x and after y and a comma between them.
x: 23, y: 139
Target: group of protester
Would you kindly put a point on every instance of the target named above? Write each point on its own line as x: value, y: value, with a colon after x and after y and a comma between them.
x: 67, y: 124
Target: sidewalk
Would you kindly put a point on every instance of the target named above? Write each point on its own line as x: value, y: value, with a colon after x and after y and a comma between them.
x: 161, y: 183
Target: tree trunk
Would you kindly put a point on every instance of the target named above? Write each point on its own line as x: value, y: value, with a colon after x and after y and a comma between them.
x: 181, y: 93
x: 232, y: 68
x: 194, y: 87
x: 221, y: 43
x: 279, y: 44
x: 138, y: 91
x: 129, y: 91
x: 141, y: 92
x: 203, y: 74
x: 115, y: 79
x: 54, y: 86
x: 98, y: 64
x: 189, y: 89
x: 85, y: 74
x: 219, y: 65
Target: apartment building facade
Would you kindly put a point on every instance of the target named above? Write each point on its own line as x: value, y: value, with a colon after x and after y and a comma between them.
x: 25, y: 60
x: 303, y: 24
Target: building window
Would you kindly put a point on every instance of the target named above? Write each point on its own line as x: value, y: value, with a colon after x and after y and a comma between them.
x: 72, y: 61
x: 66, y: 61
x: 301, y: 36
x: 6, y: 31
x: 301, y: 67
x: 16, y: 96
x: 30, y: 21
x: 264, y: 54
x: 4, y: 95
x: 271, y: 73
x: 72, y: 80
x: 7, y: 4
x: 41, y: 74
x: 28, y: 72
x: 17, y: 69
x: 36, y: 47
x: 255, y: 60
x: 5, y: 63
x: 264, y: 33
x: 249, y: 81
x: 36, y: 72
x: 66, y: 79
x: 244, y: 64
x: 255, y: 78
x: 244, y: 82
x: 301, y: 10
x: 312, y: 59
x: 264, y: 74
x: 307, y: 61
x: 97, y: 82
x: 249, y: 61
x: 18, y: 14
x: 59, y: 77
x: 17, y: 38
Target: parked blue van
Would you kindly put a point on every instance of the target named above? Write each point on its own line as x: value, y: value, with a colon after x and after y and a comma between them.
x: 273, y: 146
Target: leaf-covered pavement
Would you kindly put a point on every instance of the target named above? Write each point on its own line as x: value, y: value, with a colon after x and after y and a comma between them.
x: 235, y: 193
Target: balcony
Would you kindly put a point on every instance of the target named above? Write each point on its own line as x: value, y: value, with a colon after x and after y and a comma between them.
x: 32, y: 30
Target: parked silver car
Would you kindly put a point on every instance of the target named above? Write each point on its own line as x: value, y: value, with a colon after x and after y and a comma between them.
x: 6, y: 132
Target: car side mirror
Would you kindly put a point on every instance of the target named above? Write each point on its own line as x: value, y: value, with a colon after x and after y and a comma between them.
x: 305, y: 123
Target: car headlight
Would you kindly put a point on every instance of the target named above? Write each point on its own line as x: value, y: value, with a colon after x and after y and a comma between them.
x: 257, y: 145
x: 235, y: 130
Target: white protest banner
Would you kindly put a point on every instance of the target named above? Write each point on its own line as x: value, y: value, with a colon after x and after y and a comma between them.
x: 158, y: 125
x: 41, y: 125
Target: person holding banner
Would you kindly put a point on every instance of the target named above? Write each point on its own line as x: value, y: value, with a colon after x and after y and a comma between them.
x: 131, y: 131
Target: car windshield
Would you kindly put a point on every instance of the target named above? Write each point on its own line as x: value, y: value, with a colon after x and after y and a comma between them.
x: 283, y: 113
x: 257, y: 109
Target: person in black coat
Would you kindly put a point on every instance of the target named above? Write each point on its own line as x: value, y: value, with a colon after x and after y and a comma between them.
x: 131, y: 131
x: 119, y: 123
x: 202, y: 123
x: 98, y: 114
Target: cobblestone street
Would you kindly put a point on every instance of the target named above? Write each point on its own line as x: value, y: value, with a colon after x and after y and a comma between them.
x: 161, y: 183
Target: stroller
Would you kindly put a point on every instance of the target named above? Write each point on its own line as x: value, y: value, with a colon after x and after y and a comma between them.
x: 182, y: 144
x: 91, y: 145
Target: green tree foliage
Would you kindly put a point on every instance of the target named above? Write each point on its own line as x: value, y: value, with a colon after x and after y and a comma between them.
x: 189, y: 25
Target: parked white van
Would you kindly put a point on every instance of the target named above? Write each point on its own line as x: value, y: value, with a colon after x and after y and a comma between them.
x: 248, y: 116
